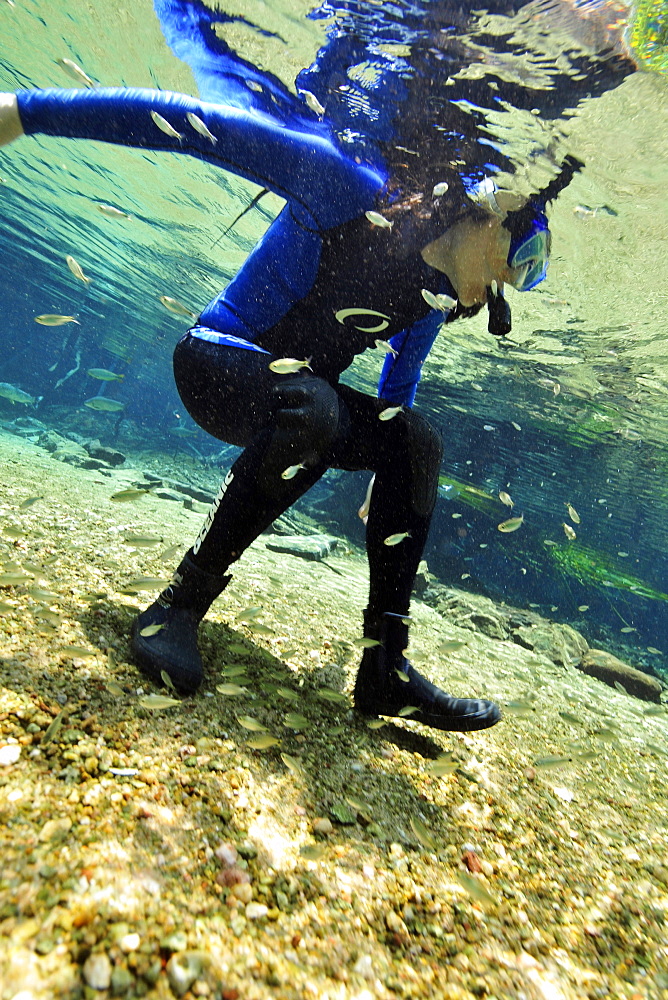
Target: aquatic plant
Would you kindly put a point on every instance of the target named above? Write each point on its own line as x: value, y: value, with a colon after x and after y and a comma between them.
x: 596, y: 568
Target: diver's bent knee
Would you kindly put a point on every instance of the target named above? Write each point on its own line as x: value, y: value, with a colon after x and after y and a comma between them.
x: 425, y: 451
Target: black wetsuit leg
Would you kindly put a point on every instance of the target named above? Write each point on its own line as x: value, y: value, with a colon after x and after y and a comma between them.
x: 286, y: 420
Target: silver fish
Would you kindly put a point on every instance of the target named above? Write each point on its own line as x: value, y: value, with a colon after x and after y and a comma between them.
x: 286, y: 366
x: 376, y: 219
x: 200, y: 127
x: 14, y: 395
x: 165, y: 127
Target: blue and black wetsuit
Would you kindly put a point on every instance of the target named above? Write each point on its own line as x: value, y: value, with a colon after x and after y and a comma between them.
x: 324, y: 282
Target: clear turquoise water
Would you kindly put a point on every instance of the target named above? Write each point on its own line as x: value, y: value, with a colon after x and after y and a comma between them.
x: 585, y: 380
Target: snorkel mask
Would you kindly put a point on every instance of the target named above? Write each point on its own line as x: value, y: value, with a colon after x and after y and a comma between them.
x: 530, y: 240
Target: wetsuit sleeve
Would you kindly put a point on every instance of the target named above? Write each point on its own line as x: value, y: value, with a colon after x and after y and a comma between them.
x: 401, y: 372
x: 324, y: 187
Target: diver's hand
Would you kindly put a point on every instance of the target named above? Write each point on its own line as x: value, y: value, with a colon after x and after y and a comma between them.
x: 10, y: 123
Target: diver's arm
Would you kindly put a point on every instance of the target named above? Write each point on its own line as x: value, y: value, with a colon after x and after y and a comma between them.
x: 304, y: 167
x: 10, y: 122
x: 401, y: 372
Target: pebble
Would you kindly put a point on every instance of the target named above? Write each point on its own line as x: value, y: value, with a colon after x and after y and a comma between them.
x: 243, y: 891
x: 97, y: 971
x: 183, y: 969
x: 322, y: 825
x: 129, y: 942
x: 255, y: 911
x: 227, y: 853
x: 9, y: 754
x: 364, y: 967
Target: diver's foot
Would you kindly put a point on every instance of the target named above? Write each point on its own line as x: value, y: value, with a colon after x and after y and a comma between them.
x: 171, y: 649
x: 379, y: 693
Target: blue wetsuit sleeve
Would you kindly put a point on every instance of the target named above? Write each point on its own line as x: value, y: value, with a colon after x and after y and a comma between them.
x: 401, y: 372
x: 324, y: 187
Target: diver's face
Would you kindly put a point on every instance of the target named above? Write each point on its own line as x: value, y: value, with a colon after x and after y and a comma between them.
x: 474, y: 253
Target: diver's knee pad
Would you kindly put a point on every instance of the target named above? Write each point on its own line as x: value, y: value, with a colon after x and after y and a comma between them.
x: 309, y: 420
x: 425, y: 450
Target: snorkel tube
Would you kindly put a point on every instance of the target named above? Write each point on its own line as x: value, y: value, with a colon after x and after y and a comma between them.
x: 530, y: 241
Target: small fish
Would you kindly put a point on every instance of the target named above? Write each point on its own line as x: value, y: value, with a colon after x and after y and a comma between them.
x: 14, y: 395
x: 518, y: 707
x: 104, y: 405
x: 124, y: 772
x: 14, y: 579
x: 231, y: 690
x: 475, y: 888
x: 75, y: 268
x: 169, y: 553
x: 52, y: 729
x: 234, y: 670
x: 292, y: 470
x: 111, y: 212
x: 200, y: 127
x: 75, y: 71
x: 292, y: 764
x: 165, y: 127
x: 568, y: 531
x: 114, y: 688
x: 29, y: 502
x: 402, y: 675
x: 573, y: 514
x: 313, y: 103
x: 376, y: 219
x: 312, y: 852
x: 440, y: 189
x: 571, y: 719
x: 551, y: 762
x: 125, y: 496
x: 443, y: 766
x: 585, y: 607
x: 505, y: 499
x: 605, y: 734
x: 142, y: 541
x: 407, y: 710
x: 376, y: 723
x: 327, y: 694
x: 167, y: 680
x: 292, y: 720
x: 247, y: 614
x: 515, y: 425
x: 6, y: 608
x: 262, y: 742
x: 156, y: 702
x: 286, y: 366
x: 55, y: 319
x: 655, y: 710
x: 620, y: 687
x: 653, y: 650
x: 175, y: 307
x: 389, y: 412
x: 288, y: 694
x: 450, y: 645
x: 512, y: 524
x: 396, y: 538
x: 152, y: 630
x: 385, y: 345
x: 248, y: 722
x: 104, y: 375
x: 444, y: 303
x: 422, y: 833
x: 145, y: 583
x: 80, y: 651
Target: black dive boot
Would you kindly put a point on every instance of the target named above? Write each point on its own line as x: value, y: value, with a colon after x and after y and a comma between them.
x: 380, y: 690
x: 179, y: 609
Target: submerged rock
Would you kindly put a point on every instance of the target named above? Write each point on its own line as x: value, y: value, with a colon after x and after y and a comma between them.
x: 314, y: 547
x: 607, y: 668
x: 560, y: 643
x: 110, y: 456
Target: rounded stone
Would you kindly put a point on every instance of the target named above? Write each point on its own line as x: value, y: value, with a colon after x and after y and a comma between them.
x: 97, y: 971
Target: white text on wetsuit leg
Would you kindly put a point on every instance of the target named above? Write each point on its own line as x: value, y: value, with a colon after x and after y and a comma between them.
x: 212, y: 512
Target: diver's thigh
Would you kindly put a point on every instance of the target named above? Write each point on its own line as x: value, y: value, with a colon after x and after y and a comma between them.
x: 226, y: 390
